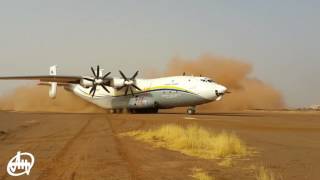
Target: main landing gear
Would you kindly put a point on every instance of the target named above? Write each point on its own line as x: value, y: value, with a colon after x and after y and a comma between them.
x: 191, y: 110
x: 116, y: 111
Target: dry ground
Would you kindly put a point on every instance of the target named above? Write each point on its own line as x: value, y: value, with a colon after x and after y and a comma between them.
x: 87, y: 146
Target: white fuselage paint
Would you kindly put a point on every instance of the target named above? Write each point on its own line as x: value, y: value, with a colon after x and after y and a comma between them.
x: 169, y: 92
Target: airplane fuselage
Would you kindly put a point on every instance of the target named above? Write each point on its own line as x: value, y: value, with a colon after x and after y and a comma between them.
x: 160, y: 93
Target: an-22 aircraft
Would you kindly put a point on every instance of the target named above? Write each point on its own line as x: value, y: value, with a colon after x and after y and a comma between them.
x: 133, y: 94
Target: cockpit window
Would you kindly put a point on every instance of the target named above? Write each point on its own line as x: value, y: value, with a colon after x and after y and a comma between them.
x: 207, y: 80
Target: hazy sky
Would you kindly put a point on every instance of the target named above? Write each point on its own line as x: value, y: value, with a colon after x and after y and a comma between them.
x: 280, y: 38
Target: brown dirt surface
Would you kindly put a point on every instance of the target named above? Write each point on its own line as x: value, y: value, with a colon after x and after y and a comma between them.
x: 88, y: 146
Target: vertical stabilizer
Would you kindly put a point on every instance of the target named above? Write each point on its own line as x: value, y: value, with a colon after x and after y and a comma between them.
x: 53, y: 70
x: 53, y: 85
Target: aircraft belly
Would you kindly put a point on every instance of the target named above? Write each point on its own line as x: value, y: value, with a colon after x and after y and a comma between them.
x: 169, y: 99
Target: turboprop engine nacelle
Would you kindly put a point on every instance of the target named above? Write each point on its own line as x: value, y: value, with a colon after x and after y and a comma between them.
x: 85, y: 83
x: 117, y: 82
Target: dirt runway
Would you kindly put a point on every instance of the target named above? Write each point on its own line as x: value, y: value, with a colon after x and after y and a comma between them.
x: 88, y: 146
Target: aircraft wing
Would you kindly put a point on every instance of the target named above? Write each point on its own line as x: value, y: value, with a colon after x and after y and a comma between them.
x: 53, y: 80
x: 47, y: 78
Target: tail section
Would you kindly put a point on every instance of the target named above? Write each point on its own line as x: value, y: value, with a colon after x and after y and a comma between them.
x: 53, y: 85
x: 53, y: 70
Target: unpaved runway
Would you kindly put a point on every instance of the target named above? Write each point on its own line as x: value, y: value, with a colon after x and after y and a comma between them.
x: 87, y: 146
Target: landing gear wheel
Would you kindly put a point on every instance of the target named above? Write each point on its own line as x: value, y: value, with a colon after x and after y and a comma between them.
x: 191, y: 110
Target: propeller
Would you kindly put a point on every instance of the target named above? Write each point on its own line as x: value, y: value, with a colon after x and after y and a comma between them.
x: 97, y: 80
x: 129, y: 82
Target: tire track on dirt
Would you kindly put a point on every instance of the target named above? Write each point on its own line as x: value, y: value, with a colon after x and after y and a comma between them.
x: 123, y: 151
x: 120, y: 125
x: 30, y: 146
x: 62, y: 152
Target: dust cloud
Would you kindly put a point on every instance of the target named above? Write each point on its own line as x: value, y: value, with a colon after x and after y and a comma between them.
x: 247, y: 92
x: 36, y: 99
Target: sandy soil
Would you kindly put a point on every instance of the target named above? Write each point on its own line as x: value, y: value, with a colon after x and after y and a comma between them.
x: 87, y: 146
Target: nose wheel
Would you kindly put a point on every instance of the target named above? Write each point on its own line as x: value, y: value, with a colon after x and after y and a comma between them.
x: 191, y: 110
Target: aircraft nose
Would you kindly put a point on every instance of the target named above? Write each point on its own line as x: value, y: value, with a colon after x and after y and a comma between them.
x: 223, y: 89
x: 220, y: 90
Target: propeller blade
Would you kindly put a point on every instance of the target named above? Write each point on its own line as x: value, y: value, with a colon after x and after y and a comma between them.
x: 88, y: 79
x: 123, y: 76
x: 135, y: 75
x: 92, y: 89
x: 94, y: 73
x: 131, y: 90
x: 106, y: 75
x: 136, y: 87
x: 105, y: 88
x: 98, y: 71
x: 126, y: 90
x: 129, y: 85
